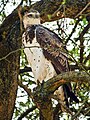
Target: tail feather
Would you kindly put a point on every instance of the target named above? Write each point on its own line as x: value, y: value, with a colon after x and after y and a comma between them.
x: 69, y: 93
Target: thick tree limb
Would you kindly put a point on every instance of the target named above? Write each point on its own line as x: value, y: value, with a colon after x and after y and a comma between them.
x: 9, y: 71
x: 57, y: 10
x: 45, y: 106
x: 52, y: 84
x: 43, y: 92
x: 49, y: 11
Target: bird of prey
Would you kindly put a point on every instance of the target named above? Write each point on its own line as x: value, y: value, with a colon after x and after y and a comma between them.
x: 45, y: 54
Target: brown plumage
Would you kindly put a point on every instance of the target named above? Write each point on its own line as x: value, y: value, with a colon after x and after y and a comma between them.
x: 47, y: 55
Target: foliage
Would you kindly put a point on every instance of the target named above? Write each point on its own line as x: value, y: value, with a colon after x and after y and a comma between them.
x: 73, y: 46
x: 76, y: 36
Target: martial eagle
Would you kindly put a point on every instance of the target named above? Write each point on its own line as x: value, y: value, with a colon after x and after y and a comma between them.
x: 45, y: 54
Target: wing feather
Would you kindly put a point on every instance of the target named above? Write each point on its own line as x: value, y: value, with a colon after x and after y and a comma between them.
x: 53, y: 48
x: 54, y: 51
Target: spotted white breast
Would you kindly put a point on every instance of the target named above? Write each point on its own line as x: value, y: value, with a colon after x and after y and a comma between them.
x: 41, y: 67
x: 44, y: 51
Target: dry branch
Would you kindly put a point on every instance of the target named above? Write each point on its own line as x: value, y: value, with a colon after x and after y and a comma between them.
x: 43, y: 92
x: 52, y: 84
x: 25, y: 88
x: 26, y: 112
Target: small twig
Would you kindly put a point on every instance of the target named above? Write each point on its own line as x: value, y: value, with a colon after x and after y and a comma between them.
x: 4, y: 5
x: 86, y: 28
x: 79, y: 64
x: 26, y: 69
x: 78, y: 112
x: 73, y: 67
x: 87, y: 58
x: 3, y: 58
x: 21, y: 18
x: 73, y: 30
x: 87, y: 111
x: 26, y: 112
x: 57, y: 10
x: 9, y: 54
x: 82, y: 10
x: 56, y: 13
x: 62, y: 104
x: 25, y: 88
x: 31, y: 47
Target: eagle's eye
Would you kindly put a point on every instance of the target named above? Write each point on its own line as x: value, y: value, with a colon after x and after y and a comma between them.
x: 30, y: 15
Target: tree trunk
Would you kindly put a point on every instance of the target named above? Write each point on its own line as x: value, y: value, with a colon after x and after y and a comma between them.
x: 10, y: 42
x: 43, y: 103
x: 46, y: 110
x: 9, y: 69
x: 8, y: 86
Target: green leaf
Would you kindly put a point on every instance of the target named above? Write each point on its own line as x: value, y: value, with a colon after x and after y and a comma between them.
x: 84, y: 21
x: 49, y: 16
x: 64, y: 1
x: 22, y: 104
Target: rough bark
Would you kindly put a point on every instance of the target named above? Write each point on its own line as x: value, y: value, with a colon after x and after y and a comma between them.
x: 44, y: 103
x: 8, y: 86
x: 52, y: 84
x: 55, y: 9
x: 44, y: 92
x: 9, y: 69
x: 10, y: 40
x: 51, y: 10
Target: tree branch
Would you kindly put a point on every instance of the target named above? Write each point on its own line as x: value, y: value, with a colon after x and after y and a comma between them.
x: 82, y: 10
x: 79, y: 111
x: 26, y: 69
x: 84, y: 31
x: 74, y: 67
x: 48, y: 7
x: 25, y: 88
x: 52, y: 84
x: 26, y: 112
x: 81, y: 38
x: 87, y: 58
x: 73, y: 30
x: 56, y: 9
x: 43, y: 92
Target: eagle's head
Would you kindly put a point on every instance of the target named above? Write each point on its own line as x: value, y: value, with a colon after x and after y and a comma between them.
x: 31, y: 18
